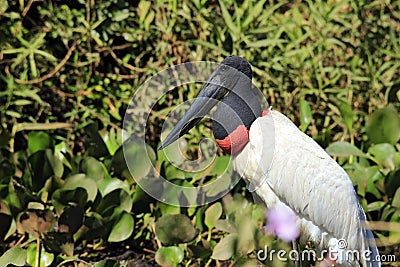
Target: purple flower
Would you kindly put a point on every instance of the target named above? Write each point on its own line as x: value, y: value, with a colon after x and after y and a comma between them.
x: 282, y: 222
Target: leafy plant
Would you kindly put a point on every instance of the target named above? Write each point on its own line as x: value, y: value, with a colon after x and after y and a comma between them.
x: 69, y: 68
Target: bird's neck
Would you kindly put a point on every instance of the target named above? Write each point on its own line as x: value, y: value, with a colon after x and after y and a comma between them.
x: 233, y: 118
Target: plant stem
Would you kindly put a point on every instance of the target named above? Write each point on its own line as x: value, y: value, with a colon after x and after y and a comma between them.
x: 38, y: 250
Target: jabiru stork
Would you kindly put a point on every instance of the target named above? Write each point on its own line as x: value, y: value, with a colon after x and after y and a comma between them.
x: 286, y: 167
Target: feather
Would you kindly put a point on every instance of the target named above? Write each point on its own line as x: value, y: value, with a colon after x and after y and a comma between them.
x: 284, y: 166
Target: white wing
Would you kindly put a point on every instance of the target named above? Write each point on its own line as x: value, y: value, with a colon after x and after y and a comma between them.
x: 286, y: 167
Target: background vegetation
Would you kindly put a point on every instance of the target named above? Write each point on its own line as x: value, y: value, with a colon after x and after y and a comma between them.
x: 69, y: 68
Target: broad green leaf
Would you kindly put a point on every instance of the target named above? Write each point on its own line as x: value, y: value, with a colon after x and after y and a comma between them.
x: 174, y: 229
x: 93, y: 168
x: 191, y: 197
x: 122, y: 229
x: 373, y: 175
x: 383, y: 126
x: 374, y: 206
x: 55, y: 163
x: 95, y: 145
x: 383, y: 153
x: 146, y: 183
x: 15, y: 256
x: 38, y: 140
x: 137, y: 156
x: 171, y: 172
x: 221, y: 165
x: 168, y: 209
x: 112, y: 139
x: 392, y: 182
x: 169, y: 256
x: 387, y: 212
x: 225, y: 249
x: 116, y: 198
x: 139, y: 195
x: 108, y: 185
x: 396, y: 199
x: 226, y: 226
x: 305, y: 115
x: 246, y: 241
x: 220, y: 184
x: 365, y: 178
x: 45, y: 258
x: 212, y: 214
x: 175, y: 153
x: 82, y: 181
x: 171, y: 194
x: 344, y: 149
x: 61, y: 151
x: 43, y: 165
x: 126, y: 201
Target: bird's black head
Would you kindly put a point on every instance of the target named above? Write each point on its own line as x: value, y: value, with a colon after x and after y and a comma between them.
x: 233, y: 74
x: 237, y: 63
x: 239, y: 109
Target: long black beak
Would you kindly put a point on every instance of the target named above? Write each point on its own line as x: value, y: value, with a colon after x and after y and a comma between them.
x: 209, y: 96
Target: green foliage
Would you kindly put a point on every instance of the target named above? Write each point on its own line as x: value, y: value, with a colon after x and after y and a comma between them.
x: 69, y: 68
x: 376, y: 179
x: 15, y: 256
x: 169, y: 256
x: 384, y: 126
x: 344, y: 149
x: 175, y: 228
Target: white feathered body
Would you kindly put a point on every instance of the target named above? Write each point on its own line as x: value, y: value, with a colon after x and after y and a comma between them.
x: 287, y: 168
